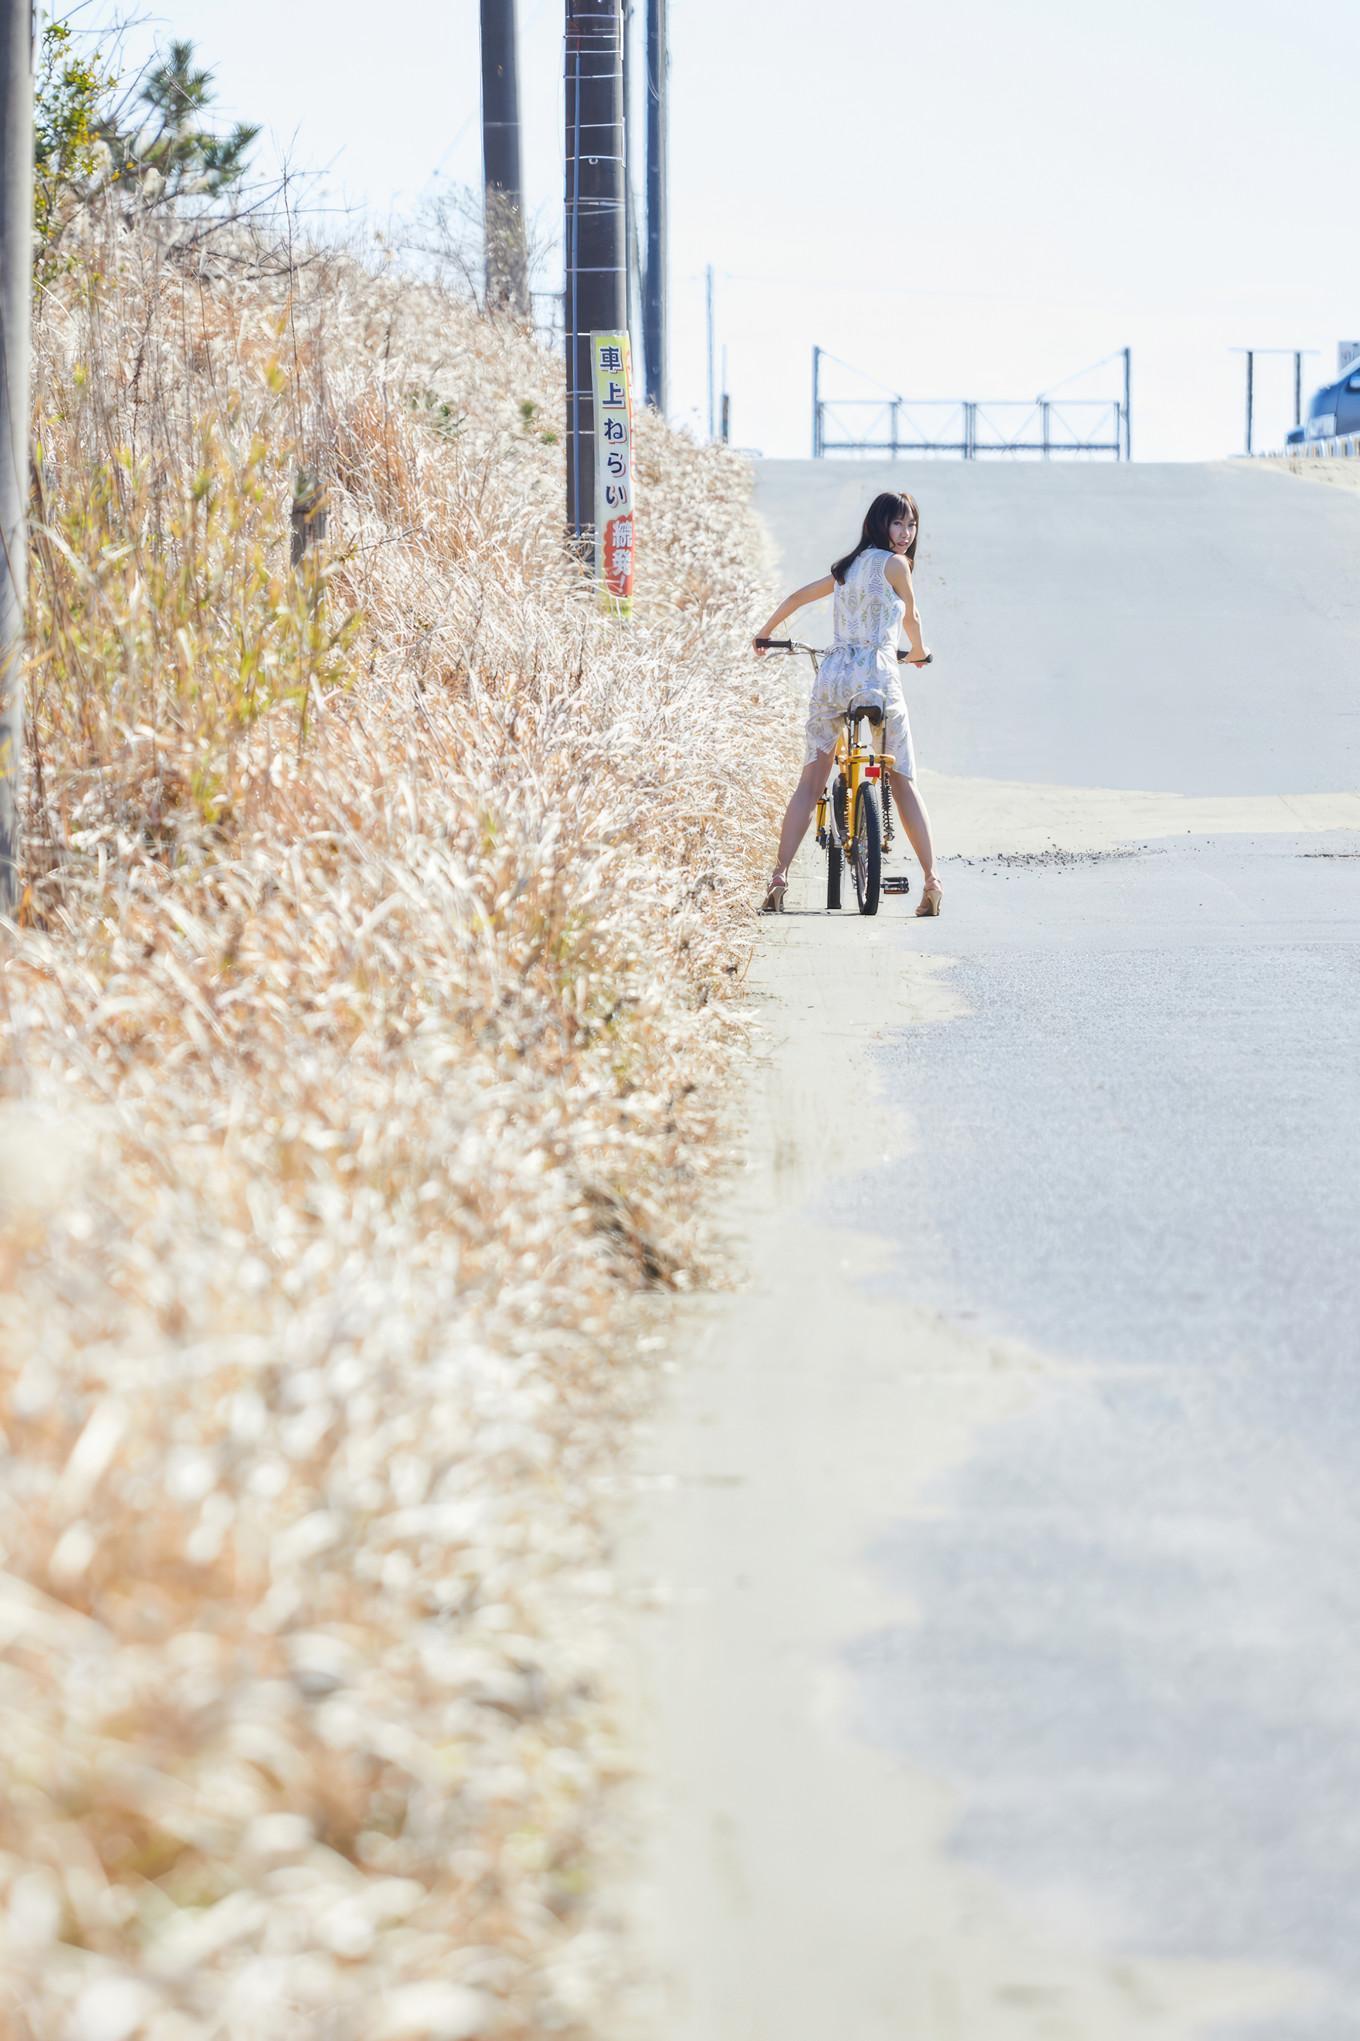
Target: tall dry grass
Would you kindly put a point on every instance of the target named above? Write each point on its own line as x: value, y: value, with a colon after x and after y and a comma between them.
x: 366, y: 1045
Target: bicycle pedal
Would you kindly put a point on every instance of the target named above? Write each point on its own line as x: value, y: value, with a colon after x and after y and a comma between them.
x: 897, y: 885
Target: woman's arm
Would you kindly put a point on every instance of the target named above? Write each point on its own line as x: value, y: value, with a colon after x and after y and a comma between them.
x: 899, y: 578
x: 814, y: 592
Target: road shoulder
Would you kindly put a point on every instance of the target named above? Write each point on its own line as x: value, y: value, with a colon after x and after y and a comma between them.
x: 796, y: 1881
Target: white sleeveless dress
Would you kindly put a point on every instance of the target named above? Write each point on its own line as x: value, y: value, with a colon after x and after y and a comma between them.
x: 862, y: 663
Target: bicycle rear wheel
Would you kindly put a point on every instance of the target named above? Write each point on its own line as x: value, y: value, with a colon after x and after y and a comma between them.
x: 868, y: 849
x: 835, y: 844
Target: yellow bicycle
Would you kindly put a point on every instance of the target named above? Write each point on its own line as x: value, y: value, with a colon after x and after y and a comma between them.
x: 855, y: 823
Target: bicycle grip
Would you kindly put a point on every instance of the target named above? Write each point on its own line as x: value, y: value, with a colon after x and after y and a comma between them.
x: 903, y: 657
x: 775, y: 644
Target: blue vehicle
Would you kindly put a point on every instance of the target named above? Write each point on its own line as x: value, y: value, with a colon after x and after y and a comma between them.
x: 1334, y: 409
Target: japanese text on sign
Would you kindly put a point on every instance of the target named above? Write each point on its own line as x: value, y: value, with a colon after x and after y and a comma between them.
x: 611, y: 375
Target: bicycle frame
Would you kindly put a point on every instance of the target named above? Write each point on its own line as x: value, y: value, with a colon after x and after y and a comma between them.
x: 852, y: 827
x: 856, y: 762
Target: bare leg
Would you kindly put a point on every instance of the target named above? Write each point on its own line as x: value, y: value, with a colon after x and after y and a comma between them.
x: 800, y: 811
x: 916, y: 823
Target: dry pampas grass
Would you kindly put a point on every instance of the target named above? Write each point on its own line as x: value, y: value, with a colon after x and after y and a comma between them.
x: 365, y: 1050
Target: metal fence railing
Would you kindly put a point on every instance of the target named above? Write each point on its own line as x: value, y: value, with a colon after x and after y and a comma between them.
x: 1048, y: 429
x: 1341, y: 447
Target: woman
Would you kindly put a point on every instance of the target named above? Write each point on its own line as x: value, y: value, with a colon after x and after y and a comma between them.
x: 874, y: 600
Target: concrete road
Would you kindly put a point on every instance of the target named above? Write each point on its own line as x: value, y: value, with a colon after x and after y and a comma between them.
x: 1006, y: 1681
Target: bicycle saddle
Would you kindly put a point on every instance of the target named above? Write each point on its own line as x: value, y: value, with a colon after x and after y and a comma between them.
x: 872, y: 712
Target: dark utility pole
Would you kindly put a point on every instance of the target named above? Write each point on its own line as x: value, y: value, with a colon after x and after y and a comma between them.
x: 593, y: 240
x: 16, y: 261
x: 1297, y: 356
x: 630, y: 229
x: 1300, y: 354
x: 507, y: 262
x: 654, y: 292
x: 712, y: 381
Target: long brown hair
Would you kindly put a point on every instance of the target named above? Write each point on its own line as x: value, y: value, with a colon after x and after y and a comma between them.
x: 879, y: 519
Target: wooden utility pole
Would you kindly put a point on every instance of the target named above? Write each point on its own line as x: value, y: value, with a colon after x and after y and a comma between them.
x: 16, y: 266
x: 594, y: 236
x: 654, y: 332
x: 310, y: 515
x: 507, y: 258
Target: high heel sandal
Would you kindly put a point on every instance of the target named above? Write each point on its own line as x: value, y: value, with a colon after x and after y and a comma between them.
x: 773, y: 902
x: 931, y: 897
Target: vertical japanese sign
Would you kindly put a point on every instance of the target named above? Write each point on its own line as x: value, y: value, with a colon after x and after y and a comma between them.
x: 614, y: 523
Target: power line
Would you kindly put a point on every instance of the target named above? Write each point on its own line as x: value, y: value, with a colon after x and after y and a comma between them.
x: 863, y: 374
x: 840, y: 287
x: 1115, y: 354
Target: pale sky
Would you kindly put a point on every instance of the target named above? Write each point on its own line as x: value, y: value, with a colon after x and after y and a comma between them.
x: 964, y: 200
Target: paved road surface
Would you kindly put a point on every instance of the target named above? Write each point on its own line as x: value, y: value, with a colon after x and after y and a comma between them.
x: 1009, y: 1685
x: 1191, y: 629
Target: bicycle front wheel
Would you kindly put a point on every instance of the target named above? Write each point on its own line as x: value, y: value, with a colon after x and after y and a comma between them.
x: 868, y: 849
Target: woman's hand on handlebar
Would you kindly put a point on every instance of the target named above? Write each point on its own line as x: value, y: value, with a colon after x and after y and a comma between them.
x: 921, y: 658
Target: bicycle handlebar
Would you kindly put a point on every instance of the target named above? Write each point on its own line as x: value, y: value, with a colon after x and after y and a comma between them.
x: 792, y: 645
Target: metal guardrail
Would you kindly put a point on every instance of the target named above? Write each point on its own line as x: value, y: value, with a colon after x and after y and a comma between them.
x: 1045, y: 430
x: 1346, y: 447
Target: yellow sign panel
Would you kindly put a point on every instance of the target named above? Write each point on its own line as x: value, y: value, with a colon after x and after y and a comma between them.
x: 615, y: 526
